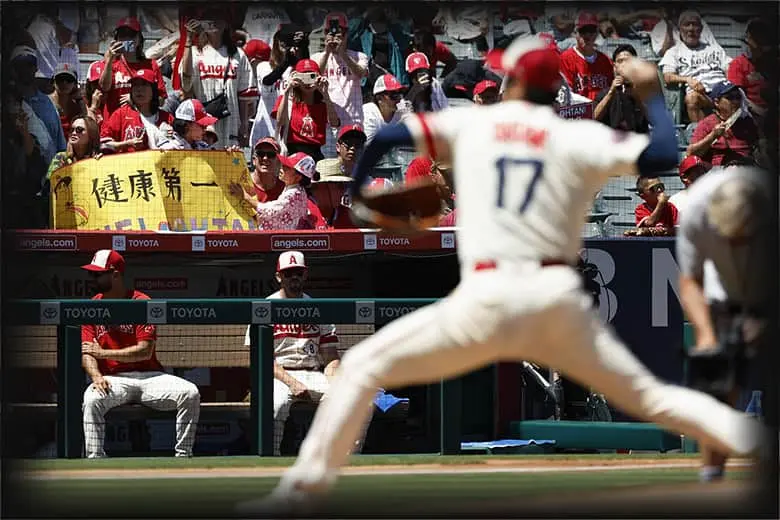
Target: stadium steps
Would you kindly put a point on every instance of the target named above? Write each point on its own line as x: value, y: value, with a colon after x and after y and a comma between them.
x: 592, y: 435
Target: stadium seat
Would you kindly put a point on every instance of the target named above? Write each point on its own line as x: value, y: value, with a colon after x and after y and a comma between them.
x: 616, y: 225
x: 733, y: 46
x: 591, y: 230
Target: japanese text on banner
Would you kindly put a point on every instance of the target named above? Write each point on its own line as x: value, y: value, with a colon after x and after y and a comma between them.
x: 153, y: 190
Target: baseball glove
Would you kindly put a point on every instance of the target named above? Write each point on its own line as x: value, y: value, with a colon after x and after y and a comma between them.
x: 401, y: 209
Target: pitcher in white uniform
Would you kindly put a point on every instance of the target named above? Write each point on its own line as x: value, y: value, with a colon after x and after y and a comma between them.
x: 524, y: 179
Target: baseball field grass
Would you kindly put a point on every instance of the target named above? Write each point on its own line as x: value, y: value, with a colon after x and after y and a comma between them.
x: 387, y: 486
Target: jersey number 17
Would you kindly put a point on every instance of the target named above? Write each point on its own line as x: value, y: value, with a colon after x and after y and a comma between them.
x: 528, y: 170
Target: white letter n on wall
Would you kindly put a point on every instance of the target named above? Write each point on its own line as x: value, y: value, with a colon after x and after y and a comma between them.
x: 665, y: 273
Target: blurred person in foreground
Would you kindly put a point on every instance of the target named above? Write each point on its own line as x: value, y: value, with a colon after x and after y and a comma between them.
x: 725, y: 255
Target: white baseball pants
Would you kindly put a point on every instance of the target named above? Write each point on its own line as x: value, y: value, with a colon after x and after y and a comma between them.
x: 511, y: 313
x: 156, y: 390
x: 318, y: 384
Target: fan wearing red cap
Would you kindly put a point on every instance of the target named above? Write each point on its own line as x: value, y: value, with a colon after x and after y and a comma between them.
x: 189, y: 126
x: 587, y: 70
x: 344, y: 69
x: 426, y: 93
x: 305, y: 110
x: 122, y: 364
x: 289, y: 211
x: 124, y: 57
x: 691, y: 169
x: 383, y: 109
x: 486, y: 92
x: 140, y: 124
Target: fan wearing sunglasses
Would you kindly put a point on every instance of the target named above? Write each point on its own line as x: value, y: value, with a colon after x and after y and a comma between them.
x: 729, y: 130
x: 656, y: 216
x: 67, y: 97
x: 83, y: 143
x: 383, y: 109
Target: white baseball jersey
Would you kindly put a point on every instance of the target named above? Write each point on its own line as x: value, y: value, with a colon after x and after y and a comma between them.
x: 706, y: 62
x: 524, y: 177
x: 297, y: 347
x: 208, y: 81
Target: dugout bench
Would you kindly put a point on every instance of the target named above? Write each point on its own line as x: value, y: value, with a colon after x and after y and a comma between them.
x: 181, y: 348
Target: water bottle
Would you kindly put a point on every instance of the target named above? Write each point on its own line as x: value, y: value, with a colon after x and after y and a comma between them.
x: 754, y: 406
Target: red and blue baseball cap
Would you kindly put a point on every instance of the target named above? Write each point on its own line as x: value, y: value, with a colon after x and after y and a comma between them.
x: 301, y: 163
x: 530, y: 58
x: 721, y: 89
x: 106, y: 260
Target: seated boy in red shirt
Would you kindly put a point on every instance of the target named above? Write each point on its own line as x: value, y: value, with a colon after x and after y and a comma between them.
x: 656, y: 216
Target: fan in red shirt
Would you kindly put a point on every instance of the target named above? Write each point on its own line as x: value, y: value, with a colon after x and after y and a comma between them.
x: 140, y: 124
x: 751, y: 71
x: 124, y: 57
x: 656, y: 216
x: 123, y: 366
x: 306, y: 108
x: 265, y: 176
x: 587, y: 70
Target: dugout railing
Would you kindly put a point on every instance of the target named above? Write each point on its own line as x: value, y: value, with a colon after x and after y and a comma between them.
x: 68, y: 315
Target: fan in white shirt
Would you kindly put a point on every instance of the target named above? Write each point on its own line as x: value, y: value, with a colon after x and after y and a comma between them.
x: 264, y: 125
x: 696, y: 64
x: 219, y: 67
x: 383, y: 110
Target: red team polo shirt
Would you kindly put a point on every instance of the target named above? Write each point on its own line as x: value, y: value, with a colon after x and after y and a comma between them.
x: 125, y: 123
x: 307, y: 122
x: 668, y: 217
x: 586, y: 79
x: 740, y: 138
x: 116, y: 337
x: 743, y: 74
x: 122, y: 70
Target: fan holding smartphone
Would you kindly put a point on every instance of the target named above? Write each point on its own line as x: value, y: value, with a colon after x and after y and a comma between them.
x: 304, y: 111
x: 219, y: 75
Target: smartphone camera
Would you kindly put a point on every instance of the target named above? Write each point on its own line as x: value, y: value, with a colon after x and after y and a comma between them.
x: 334, y: 28
x: 128, y: 45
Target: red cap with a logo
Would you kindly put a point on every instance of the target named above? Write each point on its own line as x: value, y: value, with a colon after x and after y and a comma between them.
x: 290, y: 260
x: 416, y: 61
x: 357, y: 129
x: 130, y: 22
x: 144, y: 75
x: 106, y: 260
x: 95, y: 70
x: 307, y: 65
x: 484, y: 85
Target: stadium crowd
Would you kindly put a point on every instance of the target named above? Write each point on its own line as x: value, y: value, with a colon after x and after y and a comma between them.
x: 301, y: 91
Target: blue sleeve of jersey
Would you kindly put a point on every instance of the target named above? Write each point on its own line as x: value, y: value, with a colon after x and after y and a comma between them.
x: 385, y: 140
x: 661, y: 153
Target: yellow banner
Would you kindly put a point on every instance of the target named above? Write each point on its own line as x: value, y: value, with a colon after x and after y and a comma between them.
x: 176, y: 190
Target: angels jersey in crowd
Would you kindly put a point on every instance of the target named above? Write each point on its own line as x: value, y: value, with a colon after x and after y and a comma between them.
x: 344, y: 86
x: 115, y: 337
x: 127, y: 123
x: 586, y: 78
x: 297, y: 347
x: 208, y: 81
x: 706, y: 62
x: 122, y: 70
x: 522, y: 174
